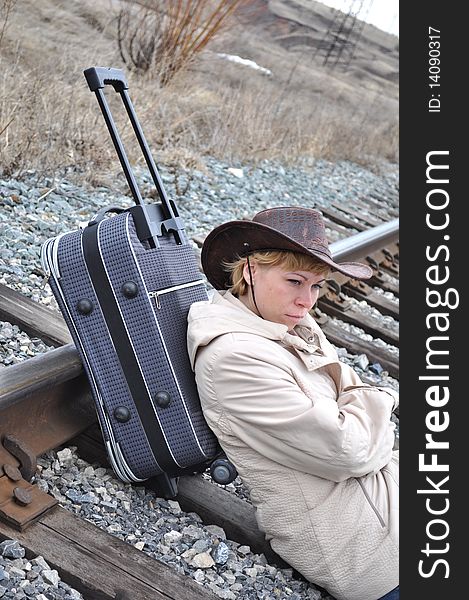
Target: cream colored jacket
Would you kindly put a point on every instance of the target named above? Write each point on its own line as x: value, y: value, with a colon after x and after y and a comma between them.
x: 313, y: 444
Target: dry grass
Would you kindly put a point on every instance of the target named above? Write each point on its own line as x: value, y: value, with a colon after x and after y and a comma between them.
x: 50, y: 122
x: 6, y: 8
x: 48, y: 125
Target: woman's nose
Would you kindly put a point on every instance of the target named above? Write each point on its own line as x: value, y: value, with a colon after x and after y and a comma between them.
x: 307, y: 298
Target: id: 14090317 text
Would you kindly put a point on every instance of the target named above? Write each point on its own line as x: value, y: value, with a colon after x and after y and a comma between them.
x: 434, y: 44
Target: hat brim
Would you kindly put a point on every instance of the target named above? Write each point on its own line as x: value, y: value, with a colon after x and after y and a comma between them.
x: 229, y: 241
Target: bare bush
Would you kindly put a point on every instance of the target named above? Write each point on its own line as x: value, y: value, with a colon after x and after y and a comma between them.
x: 161, y: 38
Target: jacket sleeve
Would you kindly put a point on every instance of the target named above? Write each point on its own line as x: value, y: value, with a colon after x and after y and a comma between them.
x: 350, y: 378
x: 261, y: 403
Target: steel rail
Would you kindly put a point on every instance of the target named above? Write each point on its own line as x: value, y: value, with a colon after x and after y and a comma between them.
x: 367, y: 242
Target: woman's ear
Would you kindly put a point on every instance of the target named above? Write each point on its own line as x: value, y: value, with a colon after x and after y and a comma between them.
x: 247, y: 276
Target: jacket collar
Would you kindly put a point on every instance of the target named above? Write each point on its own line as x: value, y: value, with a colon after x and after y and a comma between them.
x: 308, y: 341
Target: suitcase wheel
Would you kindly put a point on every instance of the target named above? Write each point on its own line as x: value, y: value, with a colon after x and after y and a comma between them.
x: 223, y: 471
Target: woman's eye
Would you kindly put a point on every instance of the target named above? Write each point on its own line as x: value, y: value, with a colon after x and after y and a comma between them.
x: 295, y: 281
x: 318, y: 286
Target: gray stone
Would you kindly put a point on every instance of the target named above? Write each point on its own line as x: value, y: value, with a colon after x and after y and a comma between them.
x: 50, y: 576
x: 216, y: 530
x: 40, y: 562
x: 202, y: 561
x: 221, y: 553
x: 172, y: 537
x: 11, y: 549
x: 201, y: 545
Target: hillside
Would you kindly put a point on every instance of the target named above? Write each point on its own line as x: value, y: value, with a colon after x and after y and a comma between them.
x: 322, y: 39
x: 332, y: 92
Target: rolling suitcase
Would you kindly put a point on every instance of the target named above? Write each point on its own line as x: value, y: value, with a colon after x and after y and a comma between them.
x: 124, y: 285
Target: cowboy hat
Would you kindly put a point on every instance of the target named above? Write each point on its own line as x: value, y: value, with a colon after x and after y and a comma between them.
x: 286, y: 228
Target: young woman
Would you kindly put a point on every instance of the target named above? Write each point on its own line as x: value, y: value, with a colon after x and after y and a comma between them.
x: 312, y: 442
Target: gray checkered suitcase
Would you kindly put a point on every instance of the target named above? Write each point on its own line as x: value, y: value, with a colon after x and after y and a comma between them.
x: 124, y: 285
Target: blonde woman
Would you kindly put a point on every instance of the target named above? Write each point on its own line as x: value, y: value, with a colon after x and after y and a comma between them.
x: 312, y: 442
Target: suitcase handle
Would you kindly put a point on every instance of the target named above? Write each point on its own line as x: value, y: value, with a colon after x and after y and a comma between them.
x: 97, y: 78
x: 102, y: 212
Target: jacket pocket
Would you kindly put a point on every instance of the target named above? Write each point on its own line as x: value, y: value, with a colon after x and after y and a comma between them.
x: 371, y: 503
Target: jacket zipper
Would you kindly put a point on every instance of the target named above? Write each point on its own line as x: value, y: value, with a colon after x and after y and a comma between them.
x: 367, y: 496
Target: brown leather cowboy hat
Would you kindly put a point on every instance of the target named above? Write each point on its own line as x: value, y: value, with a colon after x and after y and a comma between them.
x: 288, y: 228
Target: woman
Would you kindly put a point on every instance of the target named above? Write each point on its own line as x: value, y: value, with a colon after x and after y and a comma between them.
x: 311, y: 441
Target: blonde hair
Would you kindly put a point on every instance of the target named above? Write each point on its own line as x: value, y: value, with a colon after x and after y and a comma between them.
x: 290, y: 261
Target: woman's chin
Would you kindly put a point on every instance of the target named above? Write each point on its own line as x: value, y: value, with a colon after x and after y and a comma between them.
x: 291, y: 321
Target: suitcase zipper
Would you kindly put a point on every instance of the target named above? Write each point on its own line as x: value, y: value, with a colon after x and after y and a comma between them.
x: 159, y: 293
x: 46, y: 272
x: 49, y: 257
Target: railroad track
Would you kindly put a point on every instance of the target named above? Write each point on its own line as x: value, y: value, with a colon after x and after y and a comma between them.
x: 45, y: 403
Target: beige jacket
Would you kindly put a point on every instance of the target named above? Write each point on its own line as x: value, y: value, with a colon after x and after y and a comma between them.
x: 311, y: 442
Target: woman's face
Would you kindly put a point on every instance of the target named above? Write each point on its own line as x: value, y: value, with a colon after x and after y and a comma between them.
x: 283, y: 296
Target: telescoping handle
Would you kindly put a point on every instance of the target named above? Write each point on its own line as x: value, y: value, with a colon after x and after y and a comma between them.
x: 97, y: 78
